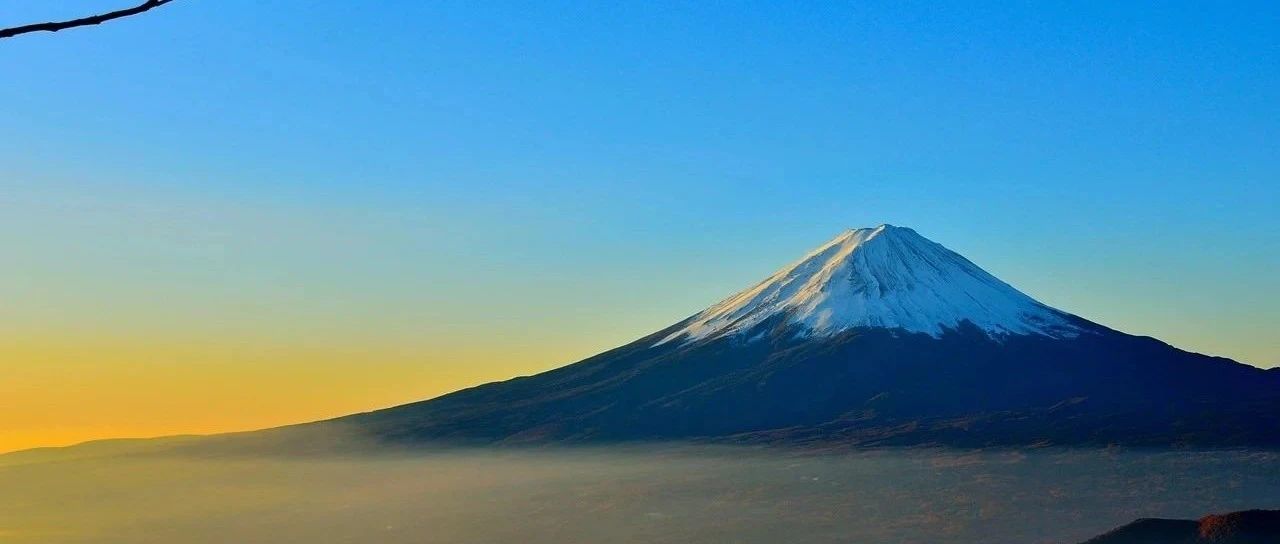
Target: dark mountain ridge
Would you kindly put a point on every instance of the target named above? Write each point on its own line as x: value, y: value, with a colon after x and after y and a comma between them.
x: 866, y: 387
x: 878, y: 337
x: 1245, y: 527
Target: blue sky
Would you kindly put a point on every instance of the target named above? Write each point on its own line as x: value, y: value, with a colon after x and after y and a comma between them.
x: 549, y: 179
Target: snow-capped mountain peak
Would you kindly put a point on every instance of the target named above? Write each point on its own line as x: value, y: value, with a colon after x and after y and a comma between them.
x: 883, y: 276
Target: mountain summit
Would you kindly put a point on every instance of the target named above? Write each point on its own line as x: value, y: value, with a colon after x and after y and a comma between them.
x: 877, y: 337
x: 887, y: 277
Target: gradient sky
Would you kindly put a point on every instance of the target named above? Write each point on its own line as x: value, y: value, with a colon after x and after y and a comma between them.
x: 234, y: 214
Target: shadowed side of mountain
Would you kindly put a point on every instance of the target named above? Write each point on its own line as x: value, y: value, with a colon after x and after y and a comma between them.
x: 877, y: 337
x: 865, y: 387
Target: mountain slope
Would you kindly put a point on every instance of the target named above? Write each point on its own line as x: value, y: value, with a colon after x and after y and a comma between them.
x: 887, y: 277
x: 877, y: 337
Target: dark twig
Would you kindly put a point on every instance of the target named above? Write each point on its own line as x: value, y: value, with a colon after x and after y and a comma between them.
x: 55, y: 26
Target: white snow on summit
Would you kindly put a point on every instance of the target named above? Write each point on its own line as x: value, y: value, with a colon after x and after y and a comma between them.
x: 884, y: 276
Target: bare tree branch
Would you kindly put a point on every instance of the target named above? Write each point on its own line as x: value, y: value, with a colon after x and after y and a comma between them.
x: 55, y: 26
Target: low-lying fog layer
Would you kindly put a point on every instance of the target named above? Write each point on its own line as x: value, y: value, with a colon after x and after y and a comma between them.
x: 671, y: 494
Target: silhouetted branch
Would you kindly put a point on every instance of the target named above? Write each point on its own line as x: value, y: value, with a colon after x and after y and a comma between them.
x: 55, y: 26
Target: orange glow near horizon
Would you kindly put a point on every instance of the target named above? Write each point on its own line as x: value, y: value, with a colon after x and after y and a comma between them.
x: 86, y: 388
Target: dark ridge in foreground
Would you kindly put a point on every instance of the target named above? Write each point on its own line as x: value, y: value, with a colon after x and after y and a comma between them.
x: 1247, y: 527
